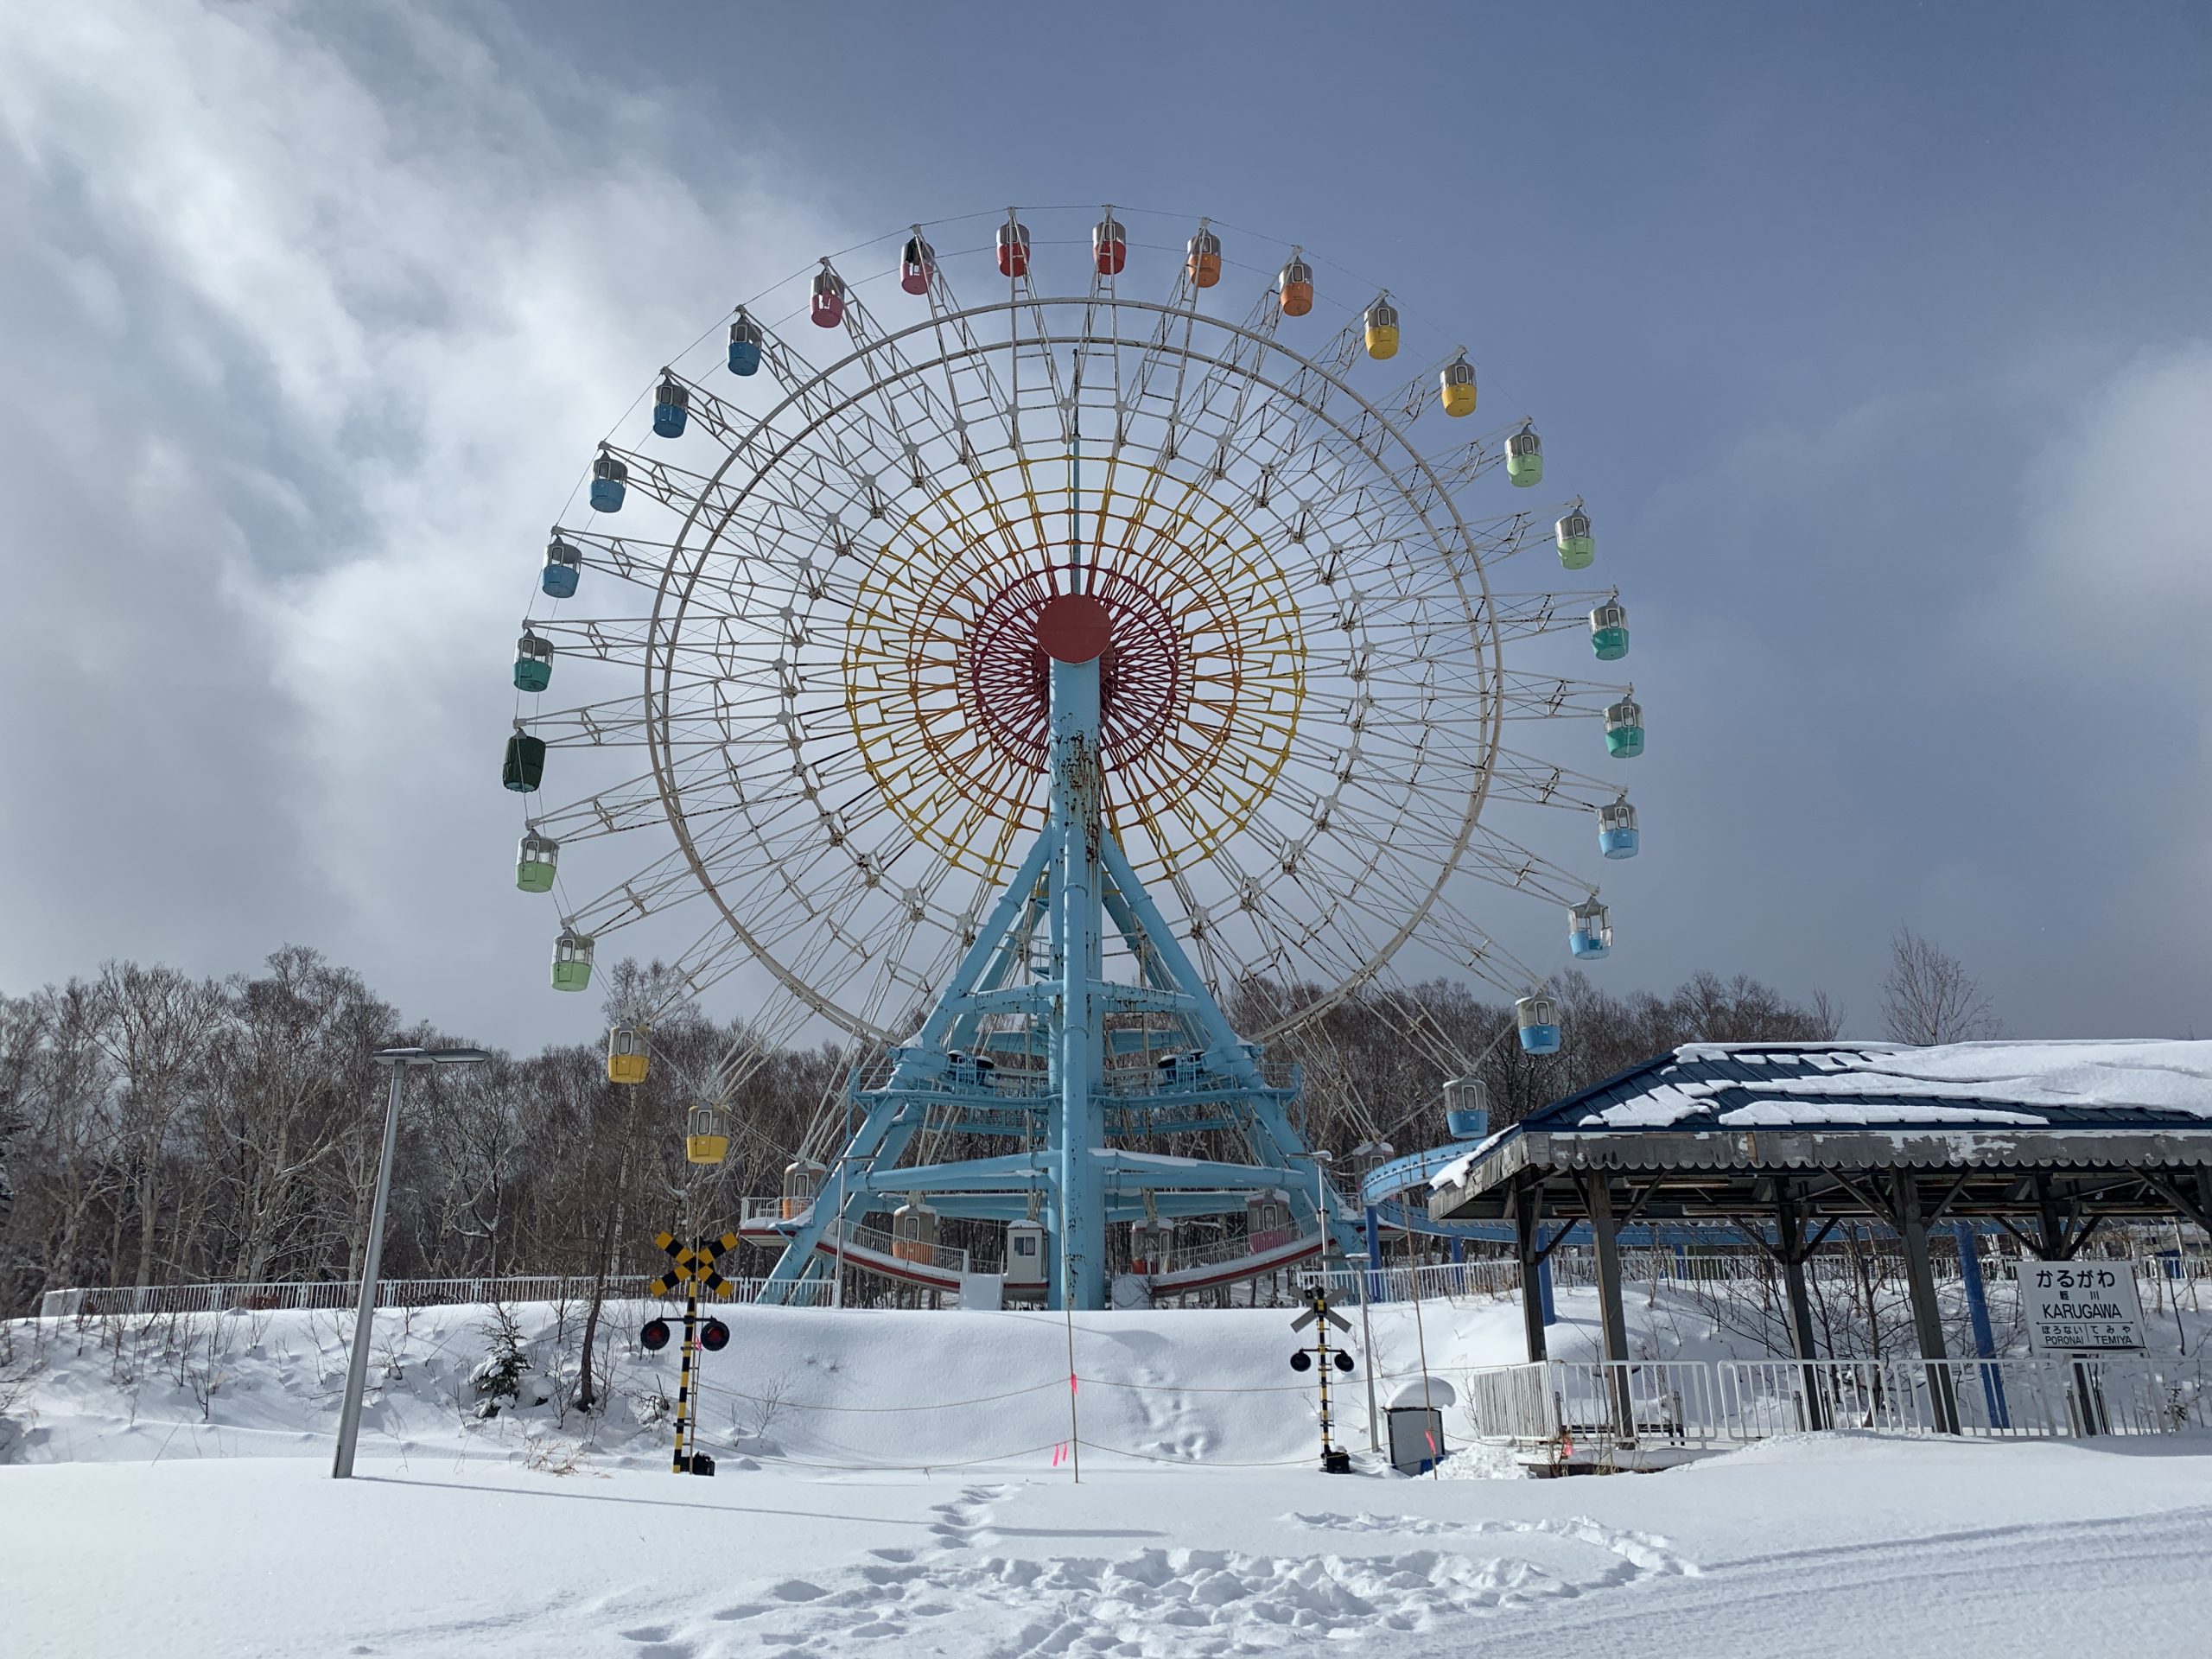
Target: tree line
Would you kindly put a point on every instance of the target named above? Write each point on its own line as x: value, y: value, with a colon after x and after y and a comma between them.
x: 160, y: 1129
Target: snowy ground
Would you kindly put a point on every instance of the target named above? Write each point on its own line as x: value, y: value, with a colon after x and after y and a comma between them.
x: 150, y: 1513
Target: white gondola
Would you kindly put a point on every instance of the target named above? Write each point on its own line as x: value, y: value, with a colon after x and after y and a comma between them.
x: 1027, y: 1267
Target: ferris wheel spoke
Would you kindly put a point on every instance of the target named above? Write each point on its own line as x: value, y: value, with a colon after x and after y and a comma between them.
x: 1490, y: 857
x: 662, y: 884
x: 974, y: 393
x: 823, y: 409
x: 726, y: 655
x: 1450, y: 931
x: 1525, y: 779
x: 640, y: 562
x: 635, y: 804
x: 1537, y: 697
x: 619, y: 722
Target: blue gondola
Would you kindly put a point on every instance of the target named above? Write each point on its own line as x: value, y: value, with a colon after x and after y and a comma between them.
x: 744, y: 345
x: 671, y: 408
x: 609, y: 478
x: 1466, y: 1108
x: 564, y: 567
x: 1589, y: 930
x: 1617, y: 836
x: 1537, y: 1016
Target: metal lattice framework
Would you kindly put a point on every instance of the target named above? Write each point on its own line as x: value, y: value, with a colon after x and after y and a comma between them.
x: 832, y: 747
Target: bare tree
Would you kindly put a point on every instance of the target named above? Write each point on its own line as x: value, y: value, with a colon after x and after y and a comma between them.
x: 158, y: 1027
x: 1929, y: 996
x: 1827, y: 1014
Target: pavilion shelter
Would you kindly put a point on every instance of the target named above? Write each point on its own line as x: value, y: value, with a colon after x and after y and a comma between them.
x: 2047, y: 1141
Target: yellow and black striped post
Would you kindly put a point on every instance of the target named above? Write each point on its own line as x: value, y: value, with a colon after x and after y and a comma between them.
x: 1317, y: 1314
x: 1321, y: 1364
x: 691, y: 1266
x: 683, y: 1377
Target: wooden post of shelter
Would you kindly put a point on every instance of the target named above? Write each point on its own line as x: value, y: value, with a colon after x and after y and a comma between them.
x: 1612, y: 1314
x: 1790, y: 1232
x: 1926, y: 1315
x: 1525, y: 1217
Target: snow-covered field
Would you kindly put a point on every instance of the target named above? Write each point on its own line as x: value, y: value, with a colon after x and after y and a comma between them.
x: 888, y: 1484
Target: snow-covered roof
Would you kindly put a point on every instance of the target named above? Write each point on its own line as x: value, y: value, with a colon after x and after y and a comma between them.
x: 2093, y: 1085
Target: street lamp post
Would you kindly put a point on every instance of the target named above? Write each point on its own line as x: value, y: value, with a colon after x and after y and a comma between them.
x: 1322, y: 1158
x: 357, y: 1367
x: 1374, y: 1152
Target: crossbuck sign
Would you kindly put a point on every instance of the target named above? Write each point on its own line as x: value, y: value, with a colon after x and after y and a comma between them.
x: 2074, y: 1308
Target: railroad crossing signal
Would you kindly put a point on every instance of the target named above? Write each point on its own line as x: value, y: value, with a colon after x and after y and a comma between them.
x: 693, y: 1264
x: 1321, y: 1316
x: 1320, y: 1310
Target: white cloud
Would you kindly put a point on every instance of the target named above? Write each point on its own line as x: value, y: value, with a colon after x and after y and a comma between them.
x: 326, y: 329
x: 2097, y: 627
x: 2117, y: 550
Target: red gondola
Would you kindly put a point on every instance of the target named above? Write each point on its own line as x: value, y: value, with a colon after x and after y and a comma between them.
x: 916, y: 263
x: 1110, y: 246
x: 1013, y: 249
x: 828, y: 308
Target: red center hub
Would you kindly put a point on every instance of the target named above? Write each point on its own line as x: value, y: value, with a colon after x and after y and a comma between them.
x: 1144, y: 677
x: 1074, y: 627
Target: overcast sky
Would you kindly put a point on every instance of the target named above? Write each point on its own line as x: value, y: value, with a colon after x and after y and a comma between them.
x: 1880, y: 337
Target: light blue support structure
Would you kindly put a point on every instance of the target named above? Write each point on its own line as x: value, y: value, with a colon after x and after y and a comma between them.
x: 1984, y: 1339
x: 1106, y: 1085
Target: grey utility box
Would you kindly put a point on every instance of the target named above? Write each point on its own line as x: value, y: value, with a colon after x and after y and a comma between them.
x: 1416, y: 1438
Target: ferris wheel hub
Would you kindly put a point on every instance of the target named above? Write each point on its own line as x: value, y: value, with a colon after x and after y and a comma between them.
x: 1074, y: 627
x: 1145, y: 667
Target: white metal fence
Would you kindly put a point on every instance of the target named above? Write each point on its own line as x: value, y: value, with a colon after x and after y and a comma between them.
x: 98, y: 1302
x: 1484, y: 1277
x: 1571, y: 1410
x: 1578, y: 1268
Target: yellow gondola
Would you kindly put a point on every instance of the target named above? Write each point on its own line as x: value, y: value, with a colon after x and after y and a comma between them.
x: 706, y: 1134
x: 627, y: 1061
x: 1457, y: 385
x: 1382, y: 327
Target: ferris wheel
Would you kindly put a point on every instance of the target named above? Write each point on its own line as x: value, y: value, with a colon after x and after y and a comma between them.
x: 783, y: 681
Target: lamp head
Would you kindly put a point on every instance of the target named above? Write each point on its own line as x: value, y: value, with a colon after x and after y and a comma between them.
x: 430, y: 1055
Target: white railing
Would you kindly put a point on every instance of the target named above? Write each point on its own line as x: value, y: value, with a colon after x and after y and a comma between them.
x: 757, y: 1213
x: 1491, y: 1276
x: 1496, y: 1275
x: 1237, y: 1246
x: 944, y: 1258
x: 98, y: 1301
x: 1568, y: 1410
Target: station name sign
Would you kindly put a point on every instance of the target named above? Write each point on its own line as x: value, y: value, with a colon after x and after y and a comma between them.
x: 2074, y: 1308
